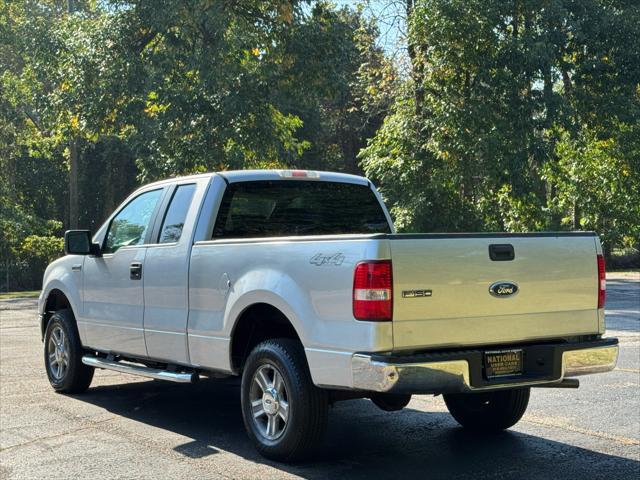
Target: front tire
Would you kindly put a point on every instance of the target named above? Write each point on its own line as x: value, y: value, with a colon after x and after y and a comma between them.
x: 488, y: 411
x: 63, y: 355
x: 284, y: 413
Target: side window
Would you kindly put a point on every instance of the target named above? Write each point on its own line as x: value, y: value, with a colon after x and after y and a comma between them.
x: 130, y: 225
x: 173, y: 222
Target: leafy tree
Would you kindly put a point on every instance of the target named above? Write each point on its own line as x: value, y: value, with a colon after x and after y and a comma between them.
x: 597, y: 187
x: 519, y: 115
x: 333, y: 76
x: 97, y: 96
x: 206, y: 96
x: 481, y: 132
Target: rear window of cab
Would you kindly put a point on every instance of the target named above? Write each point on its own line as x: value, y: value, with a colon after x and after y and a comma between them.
x: 276, y: 208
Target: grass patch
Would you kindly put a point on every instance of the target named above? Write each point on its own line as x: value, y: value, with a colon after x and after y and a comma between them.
x: 629, y: 274
x: 25, y: 294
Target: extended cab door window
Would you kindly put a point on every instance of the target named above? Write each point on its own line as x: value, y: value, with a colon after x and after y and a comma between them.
x: 298, y: 207
x: 166, y: 265
x: 129, y: 227
x: 113, y: 297
x: 173, y: 223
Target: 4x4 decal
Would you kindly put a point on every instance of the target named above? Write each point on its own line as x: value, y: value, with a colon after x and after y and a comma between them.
x: 320, y: 259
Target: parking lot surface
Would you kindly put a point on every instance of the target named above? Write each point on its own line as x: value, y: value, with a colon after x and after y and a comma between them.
x: 128, y: 427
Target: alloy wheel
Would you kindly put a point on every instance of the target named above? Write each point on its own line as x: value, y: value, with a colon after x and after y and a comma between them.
x: 269, y: 402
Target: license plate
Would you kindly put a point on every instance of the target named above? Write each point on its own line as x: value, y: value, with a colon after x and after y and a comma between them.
x: 502, y: 363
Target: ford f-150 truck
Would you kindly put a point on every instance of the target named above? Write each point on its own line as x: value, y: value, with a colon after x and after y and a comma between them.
x: 297, y: 282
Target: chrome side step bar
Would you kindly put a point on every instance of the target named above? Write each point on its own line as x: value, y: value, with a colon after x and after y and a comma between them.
x: 140, y: 370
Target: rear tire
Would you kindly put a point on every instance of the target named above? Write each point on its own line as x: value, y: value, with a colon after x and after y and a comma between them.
x: 488, y: 411
x: 284, y: 413
x: 63, y: 355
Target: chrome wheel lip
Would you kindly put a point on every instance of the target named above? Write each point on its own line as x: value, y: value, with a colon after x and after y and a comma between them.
x: 58, y: 353
x: 269, y: 402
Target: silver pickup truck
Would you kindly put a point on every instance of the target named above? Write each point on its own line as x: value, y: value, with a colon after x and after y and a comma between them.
x: 297, y: 282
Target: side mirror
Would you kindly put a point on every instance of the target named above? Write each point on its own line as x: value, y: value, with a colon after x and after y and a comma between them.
x: 78, y: 242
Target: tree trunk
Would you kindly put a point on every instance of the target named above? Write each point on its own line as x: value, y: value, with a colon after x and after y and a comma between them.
x: 417, y: 69
x: 576, y: 215
x: 73, y: 184
x: 73, y: 164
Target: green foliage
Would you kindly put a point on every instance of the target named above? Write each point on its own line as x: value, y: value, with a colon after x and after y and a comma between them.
x: 42, y: 248
x: 27, y: 244
x: 520, y: 115
x: 17, y: 225
x: 206, y: 102
x: 421, y: 189
x: 144, y: 90
x: 517, y: 116
x: 35, y: 253
x: 597, y: 188
x: 330, y: 74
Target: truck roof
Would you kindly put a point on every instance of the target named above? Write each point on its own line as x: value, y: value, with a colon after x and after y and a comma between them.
x: 233, y: 176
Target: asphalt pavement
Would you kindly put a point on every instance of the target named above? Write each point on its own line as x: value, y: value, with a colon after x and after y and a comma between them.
x: 127, y: 427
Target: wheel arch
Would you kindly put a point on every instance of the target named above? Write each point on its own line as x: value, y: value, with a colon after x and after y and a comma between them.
x: 55, y: 300
x: 257, y: 322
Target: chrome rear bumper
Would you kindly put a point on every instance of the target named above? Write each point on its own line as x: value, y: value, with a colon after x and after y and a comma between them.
x: 371, y: 372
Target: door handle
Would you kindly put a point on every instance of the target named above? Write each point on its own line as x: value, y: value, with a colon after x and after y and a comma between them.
x: 135, y: 271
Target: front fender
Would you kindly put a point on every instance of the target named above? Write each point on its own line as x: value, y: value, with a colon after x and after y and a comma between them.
x: 60, y: 276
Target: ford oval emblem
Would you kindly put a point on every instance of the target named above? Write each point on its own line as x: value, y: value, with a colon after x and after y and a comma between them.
x: 503, y: 289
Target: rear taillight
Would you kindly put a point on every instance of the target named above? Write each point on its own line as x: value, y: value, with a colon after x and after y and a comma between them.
x: 373, y: 291
x: 602, y: 282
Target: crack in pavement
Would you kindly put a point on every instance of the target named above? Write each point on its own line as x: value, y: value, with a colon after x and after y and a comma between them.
x: 628, y: 370
x: 92, y: 424
x: 575, y: 429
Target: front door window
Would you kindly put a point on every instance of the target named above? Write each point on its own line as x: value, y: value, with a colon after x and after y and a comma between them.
x: 129, y: 227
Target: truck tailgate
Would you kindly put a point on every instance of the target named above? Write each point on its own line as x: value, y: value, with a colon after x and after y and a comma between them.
x: 442, y: 283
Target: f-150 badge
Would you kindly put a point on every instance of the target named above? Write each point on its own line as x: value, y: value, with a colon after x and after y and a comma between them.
x: 503, y: 289
x: 416, y: 293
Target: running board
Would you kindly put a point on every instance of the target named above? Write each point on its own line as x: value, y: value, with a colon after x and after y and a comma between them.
x: 140, y: 370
